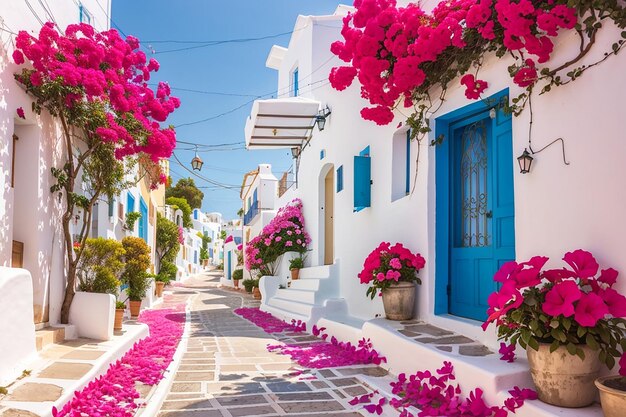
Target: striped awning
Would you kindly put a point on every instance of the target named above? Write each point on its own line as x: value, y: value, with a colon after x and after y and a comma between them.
x: 280, y: 123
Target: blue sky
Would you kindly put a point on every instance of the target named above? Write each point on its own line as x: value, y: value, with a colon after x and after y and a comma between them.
x: 236, y: 69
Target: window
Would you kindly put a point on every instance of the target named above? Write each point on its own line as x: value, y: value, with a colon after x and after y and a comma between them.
x: 195, y: 214
x: 84, y: 15
x: 143, y: 220
x: 340, y: 178
x: 295, y: 87
x: 130, y: 206
x: 362, y: 180
x: 322, y: 154
x: 111, y: 205
x: 401, y: 165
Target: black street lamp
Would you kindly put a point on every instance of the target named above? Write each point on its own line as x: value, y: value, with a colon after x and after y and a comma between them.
x: 320, y: 119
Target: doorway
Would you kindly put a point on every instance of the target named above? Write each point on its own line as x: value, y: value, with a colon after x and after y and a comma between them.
x: 328, y: 208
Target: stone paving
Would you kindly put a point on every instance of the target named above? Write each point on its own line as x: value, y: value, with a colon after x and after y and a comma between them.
x: 227, y: 370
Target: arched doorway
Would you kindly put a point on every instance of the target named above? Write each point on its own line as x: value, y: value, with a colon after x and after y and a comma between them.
x: 327, y: 213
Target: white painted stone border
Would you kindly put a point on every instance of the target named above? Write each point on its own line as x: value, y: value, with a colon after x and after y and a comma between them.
x: 154, y: 401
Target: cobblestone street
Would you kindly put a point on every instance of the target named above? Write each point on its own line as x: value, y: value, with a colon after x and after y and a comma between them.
x: 227, y: 370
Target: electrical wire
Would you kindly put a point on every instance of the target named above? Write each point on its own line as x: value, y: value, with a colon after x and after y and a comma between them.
x: 214, y: 93
x: 33, y: 12
x: 222, y: 42
x: 210, y: 181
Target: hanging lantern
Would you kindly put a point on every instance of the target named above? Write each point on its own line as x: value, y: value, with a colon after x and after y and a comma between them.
x: 524, y: 161
x: 196, y: 163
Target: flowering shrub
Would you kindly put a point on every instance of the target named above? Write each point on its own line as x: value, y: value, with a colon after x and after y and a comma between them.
x: 114, y: 394
x: 285, y: 233
x: 435, y: 395
x: 228, y: 239
x: 181, y: 235
x: 387, y: 265
x: 562, y: 307
x: 401, y: 54
x: 96, y: 85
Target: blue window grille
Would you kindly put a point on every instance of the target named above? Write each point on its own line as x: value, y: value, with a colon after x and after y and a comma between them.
x: 408, y: 161
x: 143, y: 220
x: 362, y: 180
x: 340, y: 178
x: 130, y: 203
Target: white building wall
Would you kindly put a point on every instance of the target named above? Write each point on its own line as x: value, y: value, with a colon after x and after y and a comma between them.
x: 558, y: 208
x: 29, y: 213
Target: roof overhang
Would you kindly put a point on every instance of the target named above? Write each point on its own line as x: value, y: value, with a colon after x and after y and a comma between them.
x: 280, y: 123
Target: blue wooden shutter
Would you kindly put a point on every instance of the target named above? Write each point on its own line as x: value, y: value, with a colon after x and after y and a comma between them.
x: 143, y: 220
x: 340, y: 178
x: 362, y: 182
x: 130, y: 206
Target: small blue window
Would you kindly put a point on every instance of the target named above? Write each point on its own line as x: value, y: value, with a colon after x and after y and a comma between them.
x: 340, y: 178
x: 295, y: 82
x: 130, y: 206
x: 111, y: 206
x: 408, y: 161
x: 362, y: 180
x: 84, y: 15
x: 195, y: 214
x: 322, y: 154
x: 143, y: 220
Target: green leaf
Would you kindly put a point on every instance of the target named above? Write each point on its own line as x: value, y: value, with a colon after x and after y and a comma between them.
x: 580, y: 332
x: 571, y: 348
x: 554, y: 324
x: 532, y: 342
x: 554, y: 346
x: 580, y: 353
x: 591, y: 342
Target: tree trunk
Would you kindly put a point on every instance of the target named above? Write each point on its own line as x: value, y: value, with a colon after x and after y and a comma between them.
x: 69, y: 294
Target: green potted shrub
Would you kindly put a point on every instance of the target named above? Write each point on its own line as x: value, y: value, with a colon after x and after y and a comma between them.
x: 237, y: 275
x: 248, y: 284
x: 101, y: 266
x: 295, y: 265
x: 166, y: 273
x: 120, y: 307
x: 137, y: 255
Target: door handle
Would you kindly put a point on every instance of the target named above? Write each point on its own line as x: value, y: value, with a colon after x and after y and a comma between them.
x: 489, y: 214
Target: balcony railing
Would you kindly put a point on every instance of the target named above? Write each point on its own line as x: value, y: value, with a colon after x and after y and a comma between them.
x: 251, y: 213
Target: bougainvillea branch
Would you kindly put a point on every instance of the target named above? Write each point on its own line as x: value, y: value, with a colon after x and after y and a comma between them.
x: 402, y: 54
x: 95, y: 84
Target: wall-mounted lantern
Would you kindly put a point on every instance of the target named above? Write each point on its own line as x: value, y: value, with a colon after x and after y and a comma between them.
x: 524, y: 161
x: 320, y: 119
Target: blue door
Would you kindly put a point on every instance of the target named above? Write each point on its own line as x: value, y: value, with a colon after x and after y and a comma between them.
x: 228, y: 267
x: 478, y: 213
x: 143, y: 220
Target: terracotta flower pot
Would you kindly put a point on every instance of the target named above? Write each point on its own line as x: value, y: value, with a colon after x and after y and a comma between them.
x: 135, y: 308
x: 399, y: 301
x: 256, y: 293
x: 295, y: 273
x: 159, y: 288
x: 563, y: 379
x: 236, y: 283
x: 119, y: 316
x: 613, y: 396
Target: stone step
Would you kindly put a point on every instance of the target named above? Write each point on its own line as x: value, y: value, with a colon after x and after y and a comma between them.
x: 292, y: 294
x: 284, y: 314
x: 299, y: 308
x: 48, y: 336
x: 316, y: 272
x: 310, y: 284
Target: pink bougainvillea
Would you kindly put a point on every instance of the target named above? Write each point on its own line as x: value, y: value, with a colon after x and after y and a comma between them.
x: 399, y: 53
x: 269, y: 323
x: 114, y: 394
x: 228, y: 239
x: 284, y: 233
x: 20, y: 113
x: 86, y: 66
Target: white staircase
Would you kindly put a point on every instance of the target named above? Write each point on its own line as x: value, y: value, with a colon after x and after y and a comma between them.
x: 308, y: 298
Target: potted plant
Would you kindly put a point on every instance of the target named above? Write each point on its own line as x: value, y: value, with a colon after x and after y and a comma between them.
x: 256, y: 292
x: 137, y: 254
x: 120, y: 307
x: 572, y: 320
x: 167, y: 272
x: 237, y: 275
x: 392, y: 272
x: 131, y: 219
x: 248, y: 284
x: 613, y: 391
x: 295, y: 265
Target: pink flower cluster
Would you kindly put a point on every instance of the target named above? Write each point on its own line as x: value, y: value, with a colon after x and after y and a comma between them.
x: 101, y: 67
x: 181, y: 235
x: 389, y: 49
x: 114, y: 394
x: 285, y: 233
x: 575, y: 292
x: 228, y: 239
x: 390, y: 264
x: 435, y: 395
x: 269, y: 323
x: 329, y: 354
